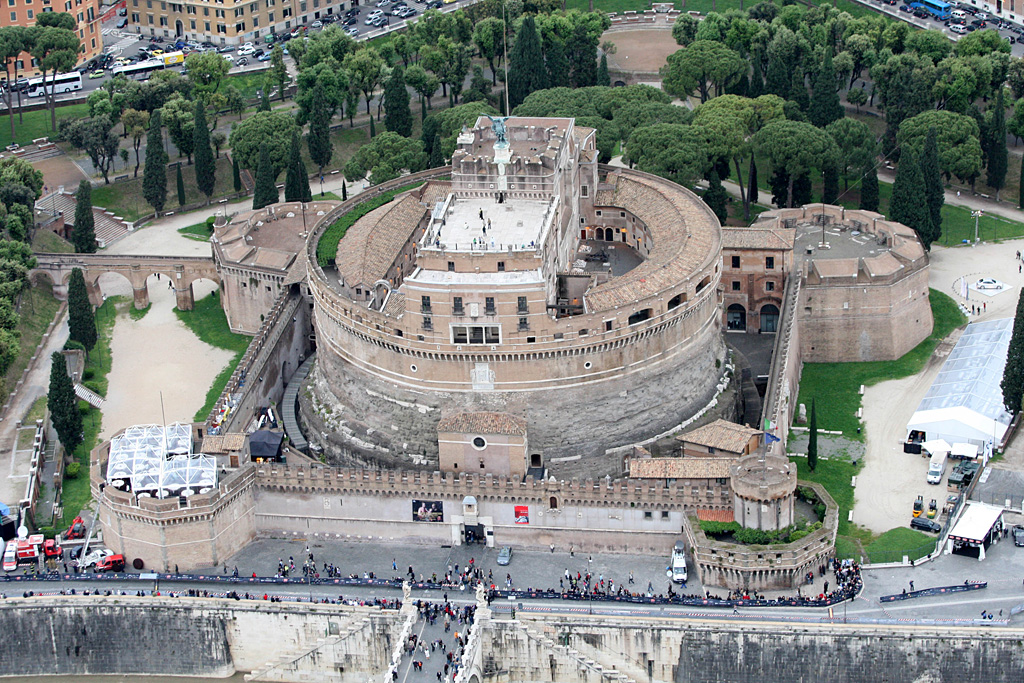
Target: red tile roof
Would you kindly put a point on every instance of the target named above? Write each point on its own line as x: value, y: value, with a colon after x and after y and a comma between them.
x: 715, y: 515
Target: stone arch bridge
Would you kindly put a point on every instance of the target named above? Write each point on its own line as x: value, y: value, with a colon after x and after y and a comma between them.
x: 181, y: 271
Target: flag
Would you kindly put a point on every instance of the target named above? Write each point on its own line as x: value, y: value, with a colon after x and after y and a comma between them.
x: 771, y: 438
x: 769, y: 426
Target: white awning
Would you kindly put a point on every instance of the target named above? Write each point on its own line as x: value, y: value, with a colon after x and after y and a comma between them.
x: 964, y: 450
x: 976, y: 523
x: 936, y: 446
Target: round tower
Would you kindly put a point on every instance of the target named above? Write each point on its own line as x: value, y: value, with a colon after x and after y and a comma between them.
x: 763, y: 486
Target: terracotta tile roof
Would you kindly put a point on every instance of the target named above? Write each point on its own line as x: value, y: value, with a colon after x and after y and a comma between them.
x: 684, y: 232
x: 435, y: 191
x: 706, y: 515
x: 395, y: 306
x: 370, y: 246
x: 721, y: 435
x: 217, y: 444
x: 680, y: 468
x: 758, y: 238
x: 483, y: 423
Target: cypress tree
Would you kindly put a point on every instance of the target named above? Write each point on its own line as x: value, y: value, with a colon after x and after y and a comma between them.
x: 830, y: 186
x: 319, y: 138
x: 716, y: 197
x: 752, y: 181
x: 825, y: 106
x: 292, y: 187
x: 802, y: 189
x: 154, y: 177
x: 756, y: 87
x: 998, y: 155
x: 423, y: 108
x: 265, y: 193
x: 206, y: 167
x: 373, y: 128
x: 812, y: 440
x: 84, y: 234
x: 63, y: 405
x: 264, y: 99
x: 934, y: 194
x: 397, y: 115
x: 869, y: 190
x: 344, y: 191
x: 436, y: 160
x: 556, y: 63
x: 798, y: 91
x: 1020, y: 194
x: 1012, y: 383
x: 236, y: 175
x: 181, y: 187
x: 526, y: 64
x: 602, y: 72
x: 81, y: 321
x: 906, y: 206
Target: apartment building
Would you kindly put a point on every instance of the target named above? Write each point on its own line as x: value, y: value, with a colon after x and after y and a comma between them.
x: 226, y: 22
x: 86, y: 12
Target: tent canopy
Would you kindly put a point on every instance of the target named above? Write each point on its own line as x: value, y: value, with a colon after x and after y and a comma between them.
x: 976, y: 523
x: 936, y: 446
x: 967, y: 451
x: 265, y: 444
x: 965, y: 402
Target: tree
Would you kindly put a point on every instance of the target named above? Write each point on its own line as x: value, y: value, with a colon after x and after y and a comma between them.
x: 84, y: 234
x: 602, y: 72
x: 266, y: 178
x: 56, y: 47
x: 365, y: 69
x: 489, y: 39
x: 825, y: 105
x: 235, y: 101
x: 321, y: 149
x: 236, y: 176
x: 701, y: 66
x: 397, y: 115
x: 179, y: 116
x: 908, y: 190
x: 1012, y: 383
x: 63, y: 405
x: 264, y: 104
x: 857, y: 97
x: 1020, y: 195
x: 856, y: 145
x: 95, y: 137
x: 684, y: 31
x: 581, y: 51
x: 206, y: 167
x: 869, y: 190
x: 556, y: 63
x: 385, y: 157
x: 344, y: 190
x: 795, y: 147
x: 830, y: 185
x: 180, y: 184
x: 812, y: 440
x: 278, y: 71
x: 206, y: 70
x: 273, y: 129
x: 998, y: 155
x: 218, y: 140
x: 135, y: 123
x: 154, y: 176
x: 13, y: 41
x: 959, y: 141
x: 670, y: 150
x: 934, y: 193
x: 425, y: 84
x: 716, y: 197
x: 81, y: 320
x: 436, y: 157
x: 526, y: 64
x: 296, y: 184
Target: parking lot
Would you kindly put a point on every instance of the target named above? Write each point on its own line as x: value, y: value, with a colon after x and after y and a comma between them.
x: 956, y: 26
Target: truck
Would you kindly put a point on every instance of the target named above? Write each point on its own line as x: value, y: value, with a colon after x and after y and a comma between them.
x: 172, y: 58
x: 936, y: 467
x: 22, y: 551
x: 678, y: 566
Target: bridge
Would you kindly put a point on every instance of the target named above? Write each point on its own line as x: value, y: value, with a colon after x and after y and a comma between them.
x: 181, y: 272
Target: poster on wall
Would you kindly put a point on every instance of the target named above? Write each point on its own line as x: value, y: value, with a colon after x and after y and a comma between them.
x: 427, y: 511
x: 522, y: 514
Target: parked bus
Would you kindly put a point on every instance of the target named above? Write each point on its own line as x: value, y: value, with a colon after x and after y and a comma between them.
x: 142, y: 70
x: 61, y: 83
x: 939, y: 9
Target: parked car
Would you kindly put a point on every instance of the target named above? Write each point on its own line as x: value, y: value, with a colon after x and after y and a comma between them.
x: 383, y: 3
x: 123, y: 12
x: 121, y: 23
x: 265, y: 57
x: 351, y: 21
x: 317, y: 24
x: 94, y: 557
x: 925, y: 524
x: 958, y: 28
x: 112, y: 563
x: 369, y: 20
x: 226, y: 49
x: 258, y: 53
x: 230, y: 58
x: 245, y: 51
x: 353, y: 12
x: 242, y: 61
x: 98, y: 73
x: 988, y: 283
x: 504, y: 556
x: 352, y: 31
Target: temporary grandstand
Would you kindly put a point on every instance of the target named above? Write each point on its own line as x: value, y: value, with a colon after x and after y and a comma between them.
x: 157, y: 460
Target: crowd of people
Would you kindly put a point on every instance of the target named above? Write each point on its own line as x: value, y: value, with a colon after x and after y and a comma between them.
x: 440, y: 651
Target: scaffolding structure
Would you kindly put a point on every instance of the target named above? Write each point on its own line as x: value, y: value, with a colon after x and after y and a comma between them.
x: 157, y: 461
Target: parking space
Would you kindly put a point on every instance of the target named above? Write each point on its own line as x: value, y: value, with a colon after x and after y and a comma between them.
x: 962, y: 19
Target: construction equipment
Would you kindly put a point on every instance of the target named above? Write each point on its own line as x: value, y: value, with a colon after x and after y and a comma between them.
x: 918, y: 506
x: 76, y: 530
x: 933, y: 508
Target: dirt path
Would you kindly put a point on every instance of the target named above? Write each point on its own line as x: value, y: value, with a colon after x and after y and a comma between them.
x: 155, y: 355
x: 642, y: 50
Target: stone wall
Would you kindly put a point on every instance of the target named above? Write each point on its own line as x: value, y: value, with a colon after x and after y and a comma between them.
x: 190, y: 637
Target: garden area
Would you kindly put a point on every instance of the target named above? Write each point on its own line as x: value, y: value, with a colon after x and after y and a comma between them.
x: 36, y: 124
x: 37, y: 310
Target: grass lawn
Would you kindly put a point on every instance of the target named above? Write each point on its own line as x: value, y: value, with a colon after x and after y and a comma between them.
x: 200, y: 231
x: 208, y: 322
x: 835, y: 386
x: 895, y: 543
x: 125, y: 198
x: 326, y: 195
x: 36, y: 411
x: 139, y: 313
x: 836, y: 476
x: 49, y: 242
x: 36, y: 124
x: 345, y: 141
x: 38, y: 307
x: 248, y: 83
x: 327, y: 248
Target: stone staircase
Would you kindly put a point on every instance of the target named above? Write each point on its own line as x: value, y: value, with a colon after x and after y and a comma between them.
x: 109, y: 228
x: 89, y: 396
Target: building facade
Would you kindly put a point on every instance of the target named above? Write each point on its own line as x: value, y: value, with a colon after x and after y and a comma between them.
x: 755, y: 264
x: 85, y: 12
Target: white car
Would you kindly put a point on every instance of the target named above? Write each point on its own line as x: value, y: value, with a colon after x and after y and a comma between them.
x: 352, y: 31
x: 229, y: 58
x: 957, y: 28
x: 318, y: 24
x: 246, y: 50
x: 375, y: 13
x: 383, y: 3
x: 93, y: 558
x: 988, y: 283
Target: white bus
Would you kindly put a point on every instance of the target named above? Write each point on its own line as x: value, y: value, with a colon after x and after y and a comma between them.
x: 140, y: 71
x: 61, y: 83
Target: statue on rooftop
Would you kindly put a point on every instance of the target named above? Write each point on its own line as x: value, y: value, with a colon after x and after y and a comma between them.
x: 500, y: 131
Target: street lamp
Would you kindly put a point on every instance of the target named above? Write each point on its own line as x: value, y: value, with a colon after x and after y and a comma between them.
x: 976, y: 215
x: 590, y: 583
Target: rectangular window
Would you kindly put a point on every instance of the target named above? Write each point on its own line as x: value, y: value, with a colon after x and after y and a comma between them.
x: 206, y: 11
x: 648, y: 514
x: 735, y: 285
x: 240, y: 27
x: 14, y: 16
x: 222, y: 28
x: 492, y: 334
x: 206, y: 26
x: 31, y: 14
x: 522, y: 305
x: 524, y: 324
x: 769, y: 262
x: 428, y: 324
x: 192, y: 23
x: 489, y: 305
x: 425, y: 304
x: 270, y: 18
x: 255, y: 22
x: 459, y: 335
x: 239, y: 11
x: 501, y: 266
x: 735, y: 261
x: 457, y: 305
x: 585, y: 191
x: 608, y: 325
x: 219, y: 13
x: 149, y: 18
x: 163, y: 21
x: 769, y: 286
x: 477, y: 334
x: 451, y: 266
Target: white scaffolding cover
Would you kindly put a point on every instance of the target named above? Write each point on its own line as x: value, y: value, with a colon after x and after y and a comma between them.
x: 159, y: 461
x: 965, y: 403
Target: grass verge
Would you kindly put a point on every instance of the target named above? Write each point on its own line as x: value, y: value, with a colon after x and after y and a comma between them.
x: 49, y: 242
x: 37, y: 309
x: 125, y: 198
x: 895, y: 543
x: 327, y: 247
x: 36, y: 124
x: 835, y: 386
x: 200, y: 231
x: 36, y: 411
x: 837, y: 478
x: 208, y: 322
x: 139, y: 313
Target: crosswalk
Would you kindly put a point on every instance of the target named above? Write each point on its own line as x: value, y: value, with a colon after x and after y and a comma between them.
x: 124, y: 40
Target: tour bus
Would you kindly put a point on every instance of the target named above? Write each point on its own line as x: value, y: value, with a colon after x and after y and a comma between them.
x: 142, y: 70
x: 61, y: 83
x: 937, y: 8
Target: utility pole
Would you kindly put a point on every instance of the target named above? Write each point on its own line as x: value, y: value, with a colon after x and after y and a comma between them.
x: 977, y: 215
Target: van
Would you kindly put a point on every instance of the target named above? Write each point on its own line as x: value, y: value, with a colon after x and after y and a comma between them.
x: 111, y: 563
x: 936, y: 467
x: 958, y: 14
x: 678, y: 566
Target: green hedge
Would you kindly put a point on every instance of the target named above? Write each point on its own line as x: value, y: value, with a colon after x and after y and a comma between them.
x: 327, y: 247
x: 719, y: 528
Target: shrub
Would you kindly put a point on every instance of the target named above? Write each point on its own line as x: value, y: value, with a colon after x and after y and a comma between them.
x: 88, y: 375
x: 797, y: 535
x: 72, y: 471
x: 71, y: 344
x: 92, y: 386
x: 48, y: 532
x: 819, y: 510
x: 719, y: 528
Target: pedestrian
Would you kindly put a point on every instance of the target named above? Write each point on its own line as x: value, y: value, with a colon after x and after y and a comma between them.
x: 631, y: 578
x: 394, y: 564
x: 911, y: 586
x: 175, y: 569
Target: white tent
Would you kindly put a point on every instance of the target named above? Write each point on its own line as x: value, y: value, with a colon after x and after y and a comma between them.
x: 965, y: 403
x: 936, y: 446
x: 977, y: 526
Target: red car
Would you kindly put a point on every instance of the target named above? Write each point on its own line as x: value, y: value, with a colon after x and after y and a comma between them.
x: 111, y: 563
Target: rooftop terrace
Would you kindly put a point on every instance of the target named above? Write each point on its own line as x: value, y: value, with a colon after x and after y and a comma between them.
x: 472, y: 224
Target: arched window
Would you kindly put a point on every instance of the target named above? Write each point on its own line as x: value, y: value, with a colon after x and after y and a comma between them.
x: 769, y: 318
x: 736, y: 318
